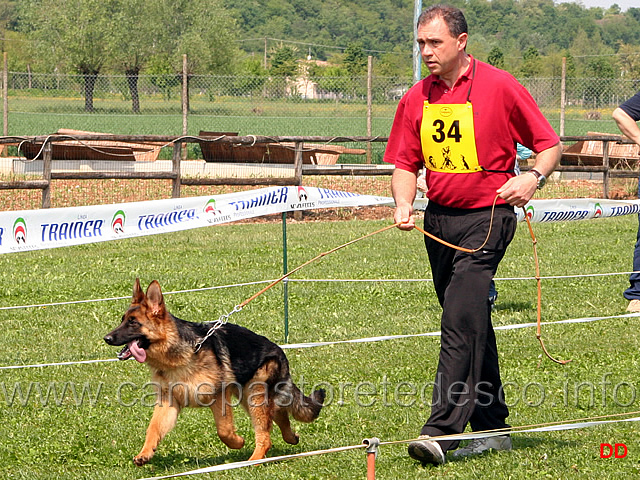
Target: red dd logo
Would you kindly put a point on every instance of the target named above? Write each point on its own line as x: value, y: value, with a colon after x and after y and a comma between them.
x: 617, y: 450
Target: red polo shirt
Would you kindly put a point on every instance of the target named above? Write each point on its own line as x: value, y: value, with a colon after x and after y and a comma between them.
x: 504, y: 113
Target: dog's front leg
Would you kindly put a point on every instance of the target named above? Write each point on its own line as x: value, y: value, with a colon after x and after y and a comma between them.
x: 163, y: 420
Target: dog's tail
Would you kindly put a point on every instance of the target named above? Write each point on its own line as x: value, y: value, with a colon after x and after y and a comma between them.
x: 303, y: 408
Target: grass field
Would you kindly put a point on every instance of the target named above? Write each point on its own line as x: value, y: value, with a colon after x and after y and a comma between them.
x: 375, y: 388
x: 40, y: 115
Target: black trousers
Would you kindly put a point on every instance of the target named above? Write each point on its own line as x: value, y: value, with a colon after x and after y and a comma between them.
x: 467, y: 388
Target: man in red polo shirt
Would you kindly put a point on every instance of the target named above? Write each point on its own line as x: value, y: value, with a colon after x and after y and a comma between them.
x: 462, y: 124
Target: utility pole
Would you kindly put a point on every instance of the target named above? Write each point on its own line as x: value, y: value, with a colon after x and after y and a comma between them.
x: 417, y: 59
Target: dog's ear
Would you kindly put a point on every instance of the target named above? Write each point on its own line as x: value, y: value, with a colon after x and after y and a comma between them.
x: 155, y: 300
x: 138, y: 295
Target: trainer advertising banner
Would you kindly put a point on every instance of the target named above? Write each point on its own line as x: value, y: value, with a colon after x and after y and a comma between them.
x: 60, y: 227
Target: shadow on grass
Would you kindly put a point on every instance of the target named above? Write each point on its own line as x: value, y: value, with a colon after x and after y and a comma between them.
x: 507, y: 307
x: 520, y: 443
x: 174, y: 462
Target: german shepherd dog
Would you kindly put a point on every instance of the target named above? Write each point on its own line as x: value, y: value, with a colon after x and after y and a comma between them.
x: 233, y: 362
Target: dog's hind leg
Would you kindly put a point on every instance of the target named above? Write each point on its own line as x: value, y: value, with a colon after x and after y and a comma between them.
x: 256, y: 401
x: 223, y: 415
x: 163, y: 420
x: 281, y: 417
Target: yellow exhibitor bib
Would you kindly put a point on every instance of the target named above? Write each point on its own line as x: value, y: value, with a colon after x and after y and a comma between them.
x: 447, y: 138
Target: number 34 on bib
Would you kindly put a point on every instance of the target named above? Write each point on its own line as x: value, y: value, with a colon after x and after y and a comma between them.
x: 447, y: 138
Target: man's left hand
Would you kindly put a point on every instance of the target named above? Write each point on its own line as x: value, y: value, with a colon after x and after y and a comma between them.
x: 517, y: 191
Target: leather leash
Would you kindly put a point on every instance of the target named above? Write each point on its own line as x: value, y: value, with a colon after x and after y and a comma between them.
x: 534, y: 241
x: 224, y: 318
x: 537, y: 264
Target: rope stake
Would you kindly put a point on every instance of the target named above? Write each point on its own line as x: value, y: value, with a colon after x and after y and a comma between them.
x: 372, y: 453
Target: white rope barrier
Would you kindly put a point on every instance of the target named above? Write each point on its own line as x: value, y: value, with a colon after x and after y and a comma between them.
x: 383, y: 338
x: 57, y: 364
x: 309, y: 280
x: 560, y: 426
x: 109, y: 299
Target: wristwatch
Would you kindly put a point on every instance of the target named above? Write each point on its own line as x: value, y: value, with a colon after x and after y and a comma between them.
x: 542, y: 180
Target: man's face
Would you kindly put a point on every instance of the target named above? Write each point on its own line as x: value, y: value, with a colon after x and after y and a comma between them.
x: 439, y: 49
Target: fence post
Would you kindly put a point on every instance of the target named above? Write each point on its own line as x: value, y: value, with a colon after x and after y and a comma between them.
x: 5, y: 98
x: 417, y: 56
x: 185, y: 101
x: 297, y: 165
x: 606, y: 175
x: 285, y: 282
x: 372, y: 452
x: 369, y: 103
x: 563, y: 94
x: 47, y: 156
x: 176, y: 159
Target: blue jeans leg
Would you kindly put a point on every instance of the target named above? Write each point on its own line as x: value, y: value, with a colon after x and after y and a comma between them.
x: 633, y: 292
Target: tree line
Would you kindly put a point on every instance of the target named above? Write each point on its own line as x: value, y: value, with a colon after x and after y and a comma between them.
x: 269, y: 37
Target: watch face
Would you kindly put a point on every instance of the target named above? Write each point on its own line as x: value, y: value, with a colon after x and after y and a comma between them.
x: 542, y: 180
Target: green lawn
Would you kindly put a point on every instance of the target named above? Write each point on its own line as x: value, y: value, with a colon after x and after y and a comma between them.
x: 33, y: 115
x: 375, y: 388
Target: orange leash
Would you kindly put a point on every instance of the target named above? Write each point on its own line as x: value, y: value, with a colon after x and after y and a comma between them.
x: 224, y: 318
x: 537, y: 264
x: 456, y: 247
x: 275, y: 282
x: 539, y: 309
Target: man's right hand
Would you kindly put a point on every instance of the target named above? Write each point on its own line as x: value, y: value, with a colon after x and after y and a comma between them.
x: 404, y: 217
x: 403, y: 187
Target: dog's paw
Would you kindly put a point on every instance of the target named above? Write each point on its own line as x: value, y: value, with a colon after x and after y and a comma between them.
x: 141, y: 459
x: 292, y: 438
x: 235, y: 442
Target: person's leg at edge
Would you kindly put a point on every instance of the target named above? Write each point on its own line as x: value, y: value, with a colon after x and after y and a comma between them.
x: 633, y: 292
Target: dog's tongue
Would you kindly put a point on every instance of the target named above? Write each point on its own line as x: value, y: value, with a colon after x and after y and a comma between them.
x: 138, y: 353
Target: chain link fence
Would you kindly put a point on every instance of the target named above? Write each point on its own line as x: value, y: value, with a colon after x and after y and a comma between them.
x: 152, y: 104
x: 41, y: 104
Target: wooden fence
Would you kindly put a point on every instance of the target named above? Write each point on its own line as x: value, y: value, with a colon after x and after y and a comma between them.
x: 293, y: 173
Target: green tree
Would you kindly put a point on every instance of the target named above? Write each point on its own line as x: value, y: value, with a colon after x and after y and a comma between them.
x: 75, y: 31
x: 132, y: 43
x: 252, y: 77
x: 629, y: 61
x: 496, y: 57
x: 355, y: 59
x: 283, y: 61
x: 284, y: 66
x: 332, y: 79
x: 204, y: 31
x: 531, y: 62
x: 599, y: 81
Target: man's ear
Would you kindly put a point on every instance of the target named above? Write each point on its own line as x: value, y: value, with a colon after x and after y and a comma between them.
x: 462, y: 41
